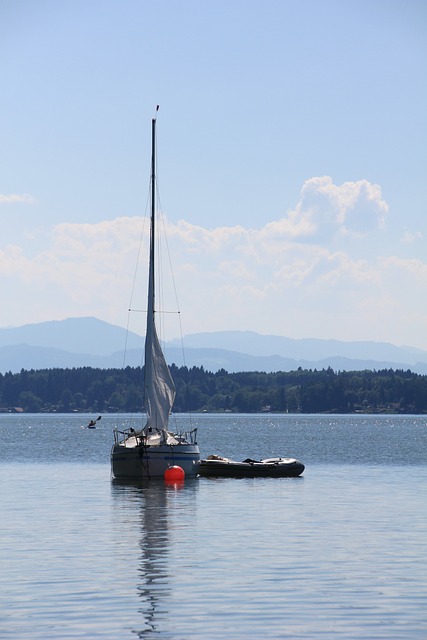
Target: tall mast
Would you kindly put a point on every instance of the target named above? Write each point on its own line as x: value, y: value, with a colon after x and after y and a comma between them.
x: 159, y: 388
x: 153, y: 215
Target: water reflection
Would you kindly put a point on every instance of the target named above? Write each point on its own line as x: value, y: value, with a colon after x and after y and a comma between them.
x: 160, y: 508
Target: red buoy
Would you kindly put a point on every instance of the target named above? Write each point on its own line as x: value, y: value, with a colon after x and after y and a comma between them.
x: 174, y: 474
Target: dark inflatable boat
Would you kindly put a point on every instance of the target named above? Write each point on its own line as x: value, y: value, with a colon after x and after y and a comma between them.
x: 216, y: 466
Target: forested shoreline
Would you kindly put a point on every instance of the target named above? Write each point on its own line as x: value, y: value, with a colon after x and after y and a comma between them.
x: 87, y: 389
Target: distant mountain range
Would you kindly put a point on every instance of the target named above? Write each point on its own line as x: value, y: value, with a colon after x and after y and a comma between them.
x: 79, y: 342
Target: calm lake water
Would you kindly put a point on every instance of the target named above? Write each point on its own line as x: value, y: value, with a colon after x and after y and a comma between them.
x: 339, y: 553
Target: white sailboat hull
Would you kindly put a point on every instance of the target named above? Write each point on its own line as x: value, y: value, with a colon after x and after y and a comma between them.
x: 152, y: 461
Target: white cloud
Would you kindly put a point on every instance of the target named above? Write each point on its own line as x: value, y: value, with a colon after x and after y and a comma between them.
x: 280, y: 278
x: 13, y: 198
x: 409, y: 237
x: 411, y: 267
x: 326, y: 210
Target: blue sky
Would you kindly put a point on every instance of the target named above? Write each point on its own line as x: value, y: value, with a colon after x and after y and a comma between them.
x: 291, y: 151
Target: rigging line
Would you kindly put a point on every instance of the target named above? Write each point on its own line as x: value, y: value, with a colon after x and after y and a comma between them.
x: 176, y: 296
x: 187, y: 371
x: 124, y: 354
x: 138, y: 256
x: 161, y: 219
x: 135, y: 274
x: 168, y: 253
x: 170, y: 261
x: 162, y: 240
x: 146, y: 217
x: 165, y: 235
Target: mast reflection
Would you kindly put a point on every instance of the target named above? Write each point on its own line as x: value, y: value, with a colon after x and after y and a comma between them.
x: 158, y: 506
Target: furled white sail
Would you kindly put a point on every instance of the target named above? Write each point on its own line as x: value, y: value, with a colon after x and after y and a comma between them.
x: 159, y: 386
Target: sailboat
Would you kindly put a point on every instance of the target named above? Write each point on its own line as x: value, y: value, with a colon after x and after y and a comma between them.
x: 148, y: 452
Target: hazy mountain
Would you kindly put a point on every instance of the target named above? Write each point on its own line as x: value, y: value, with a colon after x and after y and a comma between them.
x: 304, y: 349
x: 77, y: 342
x: 77, y: 335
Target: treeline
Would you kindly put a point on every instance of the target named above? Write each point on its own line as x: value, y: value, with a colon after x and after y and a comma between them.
x: 86, y: 389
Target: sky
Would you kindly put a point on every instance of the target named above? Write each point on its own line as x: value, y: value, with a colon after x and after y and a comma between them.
x: 292, y: 158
